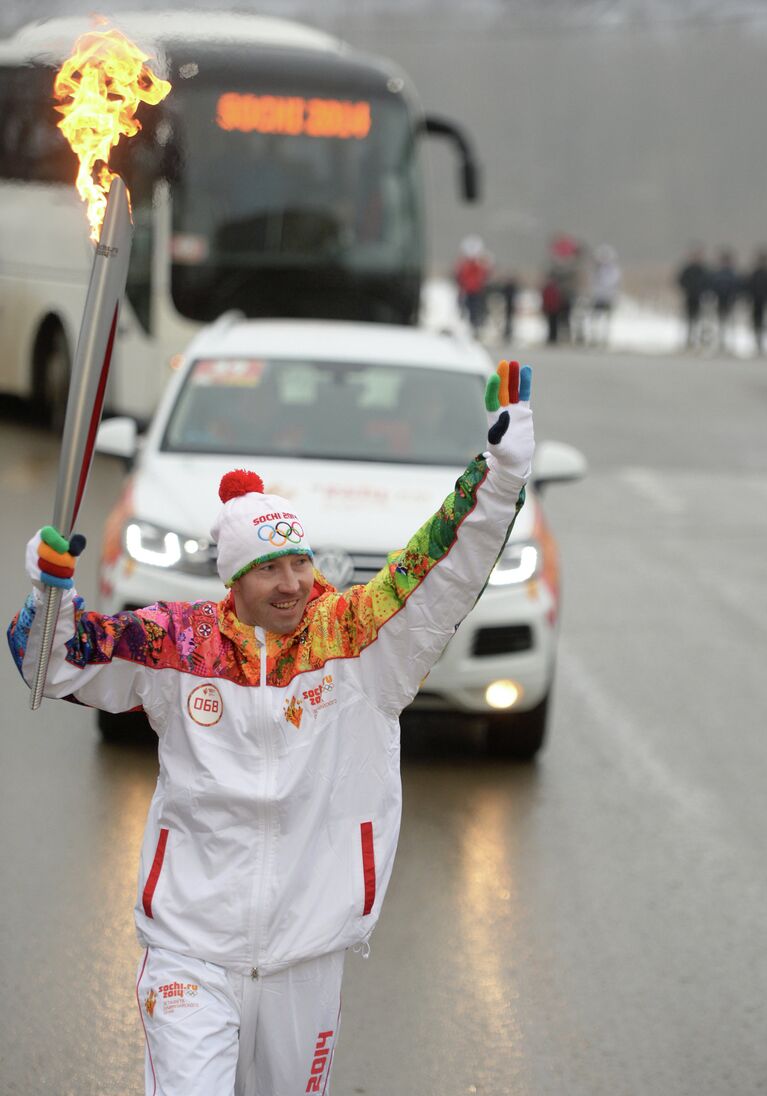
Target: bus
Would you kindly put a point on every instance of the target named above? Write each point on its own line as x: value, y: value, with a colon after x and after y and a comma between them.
x: 280, y: 178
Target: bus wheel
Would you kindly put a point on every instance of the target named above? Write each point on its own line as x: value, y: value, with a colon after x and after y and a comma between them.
x: 51, y: 376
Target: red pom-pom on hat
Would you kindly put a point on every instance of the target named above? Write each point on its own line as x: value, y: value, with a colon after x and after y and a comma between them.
x: 239, y: 482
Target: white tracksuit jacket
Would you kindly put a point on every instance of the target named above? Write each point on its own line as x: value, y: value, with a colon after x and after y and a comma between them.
x: 272, y: 832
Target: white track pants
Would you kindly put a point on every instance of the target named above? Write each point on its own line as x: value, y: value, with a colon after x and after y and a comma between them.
x: 210, y: 1032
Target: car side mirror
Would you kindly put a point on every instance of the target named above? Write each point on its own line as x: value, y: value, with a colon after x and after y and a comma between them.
x: 118, y: 437
x: 556, y: 462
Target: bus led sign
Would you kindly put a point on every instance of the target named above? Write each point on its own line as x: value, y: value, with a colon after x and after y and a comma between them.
x: 293, y: 115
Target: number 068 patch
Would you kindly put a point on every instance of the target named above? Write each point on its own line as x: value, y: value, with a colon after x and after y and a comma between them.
x: 205, y: 705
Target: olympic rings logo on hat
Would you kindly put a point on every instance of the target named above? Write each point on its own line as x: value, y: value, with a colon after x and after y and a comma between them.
x: 284, y: 532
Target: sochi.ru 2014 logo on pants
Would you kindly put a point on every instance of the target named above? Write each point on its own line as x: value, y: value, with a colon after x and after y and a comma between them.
x: 172, y: 997
x: 205, y: 705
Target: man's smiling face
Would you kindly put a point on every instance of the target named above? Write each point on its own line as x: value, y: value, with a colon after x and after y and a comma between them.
x: 273, y: 595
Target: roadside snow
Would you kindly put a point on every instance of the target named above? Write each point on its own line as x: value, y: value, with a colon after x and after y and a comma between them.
x: 634, y: 325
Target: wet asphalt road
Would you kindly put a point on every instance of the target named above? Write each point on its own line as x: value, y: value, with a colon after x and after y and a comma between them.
x: 593, y: 925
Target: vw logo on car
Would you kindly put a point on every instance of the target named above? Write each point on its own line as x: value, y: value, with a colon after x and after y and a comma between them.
x: 336, y: 565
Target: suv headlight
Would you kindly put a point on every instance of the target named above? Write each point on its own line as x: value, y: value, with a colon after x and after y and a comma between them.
x: 518, y: 562
x: 148, y: 543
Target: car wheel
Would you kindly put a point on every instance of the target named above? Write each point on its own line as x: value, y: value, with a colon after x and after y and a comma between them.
x: 125, y: 728
x: 519, y: 735
x: 52, y: 373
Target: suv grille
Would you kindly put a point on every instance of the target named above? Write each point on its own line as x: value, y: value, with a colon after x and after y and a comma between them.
x: 507, y: 639
x: 366, y: 566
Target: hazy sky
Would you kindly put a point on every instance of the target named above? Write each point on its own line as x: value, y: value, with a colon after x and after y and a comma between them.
x: 543, y: 14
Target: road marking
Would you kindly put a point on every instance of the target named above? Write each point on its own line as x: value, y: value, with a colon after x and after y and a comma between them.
x: 734, y: 595
x: 654, y: 488
x: 719, y: 846
x: 694, y: 804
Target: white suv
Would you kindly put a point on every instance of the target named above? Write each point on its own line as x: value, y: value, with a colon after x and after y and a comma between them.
x: 365, y: 428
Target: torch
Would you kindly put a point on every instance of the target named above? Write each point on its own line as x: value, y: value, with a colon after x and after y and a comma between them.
x: 100, y: 87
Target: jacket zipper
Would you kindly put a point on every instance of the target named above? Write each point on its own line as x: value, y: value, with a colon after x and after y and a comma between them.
x: 258, y: 889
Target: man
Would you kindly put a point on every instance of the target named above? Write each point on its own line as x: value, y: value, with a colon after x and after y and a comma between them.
x: 756, y: 291
x: 605, y: 287
x: 472, y: 274
x: 272, y: 832
x: 507, y: 286
x: 694, y: 281
x: 726, y: 285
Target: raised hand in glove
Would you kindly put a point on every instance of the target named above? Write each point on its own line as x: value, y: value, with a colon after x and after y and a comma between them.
x: 51, y: 558
x: 509, y: 418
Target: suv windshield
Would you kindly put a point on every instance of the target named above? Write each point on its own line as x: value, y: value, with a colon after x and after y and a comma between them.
x: 328, y: 410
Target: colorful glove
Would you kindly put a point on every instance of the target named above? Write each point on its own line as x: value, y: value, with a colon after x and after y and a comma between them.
x: 51, y: 558
x: 509, y: 418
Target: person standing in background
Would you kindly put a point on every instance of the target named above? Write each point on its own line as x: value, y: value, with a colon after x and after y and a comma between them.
x: 693, y: 281
x: 551, y: 306
x: 507, y: 288
x: 566, y: 269
x: 726, y: 286
x: 472, y: 273
x: 756, y: 292
x: 605, y: 285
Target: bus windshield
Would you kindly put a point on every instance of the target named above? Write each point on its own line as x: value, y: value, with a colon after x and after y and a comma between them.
x: 292, y: 195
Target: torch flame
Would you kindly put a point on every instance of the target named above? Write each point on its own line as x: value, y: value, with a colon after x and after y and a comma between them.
x: 100, y: 87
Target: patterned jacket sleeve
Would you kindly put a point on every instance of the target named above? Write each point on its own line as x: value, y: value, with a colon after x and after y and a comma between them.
x: 95, y: 660
x: 400, y: 622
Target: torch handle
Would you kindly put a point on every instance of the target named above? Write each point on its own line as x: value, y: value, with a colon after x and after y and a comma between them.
x: 86, y: 392
x: 50, y: 619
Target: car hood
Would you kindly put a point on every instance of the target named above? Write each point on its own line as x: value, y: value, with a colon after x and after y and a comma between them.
x: 360, y: 506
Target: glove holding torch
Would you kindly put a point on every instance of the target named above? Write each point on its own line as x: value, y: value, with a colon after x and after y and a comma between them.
x: 51, y: 558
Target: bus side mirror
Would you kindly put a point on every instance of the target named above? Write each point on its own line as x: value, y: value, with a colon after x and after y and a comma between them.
x: 470, y: 184
x: 470, y: 181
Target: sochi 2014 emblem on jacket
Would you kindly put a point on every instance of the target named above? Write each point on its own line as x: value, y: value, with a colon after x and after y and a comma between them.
x: 294, y: 711
x: 316, y: 699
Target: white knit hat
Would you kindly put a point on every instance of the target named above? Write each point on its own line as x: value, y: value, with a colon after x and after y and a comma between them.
x: 253, y: 527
